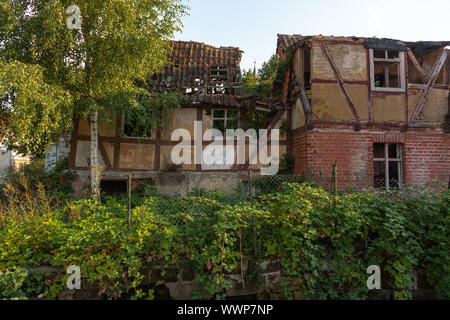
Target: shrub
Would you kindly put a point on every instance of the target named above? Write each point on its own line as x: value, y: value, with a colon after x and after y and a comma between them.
x: 324, y: 242
x: 11, y: 281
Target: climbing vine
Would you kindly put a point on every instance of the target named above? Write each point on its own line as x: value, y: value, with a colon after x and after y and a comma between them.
x: 323, y: 243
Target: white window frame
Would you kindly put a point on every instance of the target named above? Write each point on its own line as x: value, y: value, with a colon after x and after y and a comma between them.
x: 402, y: 70
x: 387, y: 160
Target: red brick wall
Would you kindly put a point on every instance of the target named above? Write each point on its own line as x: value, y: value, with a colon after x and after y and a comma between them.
x: 300, y: 152
x: 426, y: 156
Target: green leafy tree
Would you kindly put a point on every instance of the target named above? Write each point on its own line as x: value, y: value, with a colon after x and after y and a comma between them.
x: 86, y: 58
x: 261, y: 83
x: 268, y: 70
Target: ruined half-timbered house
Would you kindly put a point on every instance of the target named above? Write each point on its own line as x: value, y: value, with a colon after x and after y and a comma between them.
x: 209, y: 79
x: 378, y: 108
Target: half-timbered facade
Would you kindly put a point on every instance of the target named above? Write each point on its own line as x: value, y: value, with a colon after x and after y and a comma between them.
x: 376, y: 107
x: 210, y: 80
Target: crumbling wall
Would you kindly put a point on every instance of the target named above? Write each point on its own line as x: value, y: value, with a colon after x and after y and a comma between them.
x: 436, y: 106
x: 426, y: 156
x: 138, y: 154
x: 352, y: 60
x: 169, y: 183
x: 271, y: 283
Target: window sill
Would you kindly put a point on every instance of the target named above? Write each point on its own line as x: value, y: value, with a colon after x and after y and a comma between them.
x: 377, y: 89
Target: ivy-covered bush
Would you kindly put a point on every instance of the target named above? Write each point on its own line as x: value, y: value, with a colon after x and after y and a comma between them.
x: 11, y: 281
x: 323, y: 243
x: 57, y: 181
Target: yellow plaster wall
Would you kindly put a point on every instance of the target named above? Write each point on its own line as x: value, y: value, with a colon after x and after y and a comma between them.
x: 136, y: 156
x: 329, y: 103
x: 436, y: 107
x: 388, y: 107
x: 351, y: 61
x: 182, y: 118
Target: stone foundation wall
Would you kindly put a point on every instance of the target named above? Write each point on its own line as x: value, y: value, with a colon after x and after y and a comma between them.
x: 170, y: 183
x: 179, y: 284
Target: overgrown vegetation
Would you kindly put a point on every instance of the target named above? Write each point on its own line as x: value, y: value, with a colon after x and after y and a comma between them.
x: 324, y: 244
x: 283, y: 68
x: 33, y: 179
x: 260, y: 83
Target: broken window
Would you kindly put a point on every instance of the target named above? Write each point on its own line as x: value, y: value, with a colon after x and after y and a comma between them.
x: 387, y: 165
x: 135, y: 126
x: 223, y: 119
x: 388, y: 70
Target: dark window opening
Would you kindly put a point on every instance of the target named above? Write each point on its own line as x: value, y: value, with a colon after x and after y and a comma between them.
x: 113, y: 187
x: 379, y: 54
x: 387, y: 75
x: 223, y: 119
x: 135, y: 126
x: 307, y: 72
x: 387, y: 165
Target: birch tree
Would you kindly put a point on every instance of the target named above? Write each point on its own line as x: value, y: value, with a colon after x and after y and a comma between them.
x: 84, y: 58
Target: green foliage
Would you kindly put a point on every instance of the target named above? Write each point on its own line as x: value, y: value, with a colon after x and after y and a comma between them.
x: 33, y: 113
x: 323, y: 243
x: 287, y: 164
x: 147, y: 113
x: 48, y: 72
x: 261, y: 83
x: 273, y: 184
x: 56, y: 182
x: 268, y: 70
x: 11, y: 281
x: 283, y: 67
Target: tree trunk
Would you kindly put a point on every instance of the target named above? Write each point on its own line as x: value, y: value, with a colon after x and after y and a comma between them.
x: 95, y: 190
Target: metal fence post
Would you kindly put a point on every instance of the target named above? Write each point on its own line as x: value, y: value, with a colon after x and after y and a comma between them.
x: 129, y: 201
x: 320, y: 177
x: 250, y: 192
x: 334, y: 183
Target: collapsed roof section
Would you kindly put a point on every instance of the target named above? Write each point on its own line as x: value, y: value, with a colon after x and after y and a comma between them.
x: 286, y: 40
x: 419, y: 48
x: 208, y: 76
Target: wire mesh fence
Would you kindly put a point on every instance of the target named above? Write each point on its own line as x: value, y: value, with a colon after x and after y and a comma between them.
x: 204, y: 205
x: 249, y: 189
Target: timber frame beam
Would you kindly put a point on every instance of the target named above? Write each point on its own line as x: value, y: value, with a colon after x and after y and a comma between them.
x: 417, y: 65
x: 432, y: 79
x: 339, y: 78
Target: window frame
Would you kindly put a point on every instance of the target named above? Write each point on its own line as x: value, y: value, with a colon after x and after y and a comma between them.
x: 402, y: 70
x: 387, y: 160
x: 225, y: 118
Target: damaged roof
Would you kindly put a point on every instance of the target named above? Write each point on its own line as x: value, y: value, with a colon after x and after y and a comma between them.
x: 418, y: 48
x: 286, y: 40
x: 195, y: 64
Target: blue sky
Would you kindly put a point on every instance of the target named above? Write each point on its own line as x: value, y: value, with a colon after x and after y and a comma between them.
x: 252, y: 25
